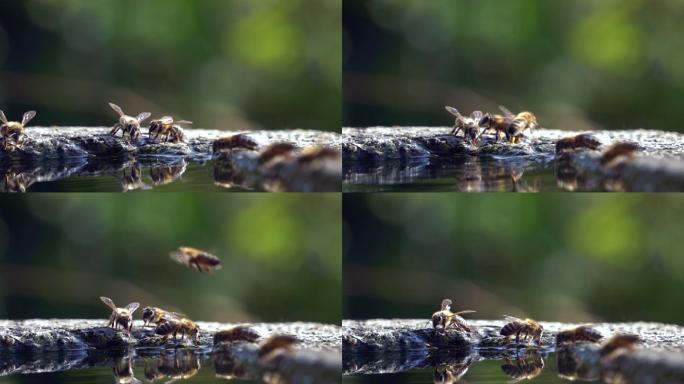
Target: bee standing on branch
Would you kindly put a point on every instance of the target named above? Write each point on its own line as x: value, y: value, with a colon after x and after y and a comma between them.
x: 120, y: 317
x: 469, y: 125
x: 524, y: 329
x: 577, y: 334
x: 196, y: 258
x: 444, y: 319
x: 128, y: 125
x: 12, y: 132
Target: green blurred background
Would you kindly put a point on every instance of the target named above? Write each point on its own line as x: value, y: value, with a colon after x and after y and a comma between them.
x: 225, y: 64
x: 586, y: 257
x: 578, y: 64
x: 281, y: 255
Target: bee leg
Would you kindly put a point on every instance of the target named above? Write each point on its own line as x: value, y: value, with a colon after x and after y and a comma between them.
x: 455, y: 130
x: 116, y: 128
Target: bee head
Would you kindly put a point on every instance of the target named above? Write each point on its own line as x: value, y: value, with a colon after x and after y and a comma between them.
x: 148, y: 315
x: 485, y: 121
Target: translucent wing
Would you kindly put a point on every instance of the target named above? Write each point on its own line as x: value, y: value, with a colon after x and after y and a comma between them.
x: 506, y: 111
x: 3, y: 118
x: 166, y: 120
x: 477, y: 115
x: 132, y: 307
x: 27, y: 117
x: 116, y: 109
x: 108, y: 302
x: 511, y: 318
x: 184, y: 122
x: 464, y: 312
x: 141, y: 117
x: 453, y: 111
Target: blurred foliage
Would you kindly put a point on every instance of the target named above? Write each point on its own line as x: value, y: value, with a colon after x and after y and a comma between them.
x: 584, y: 257
x: 281, y: 255
x: 582, y: 64
x: 225, y: 64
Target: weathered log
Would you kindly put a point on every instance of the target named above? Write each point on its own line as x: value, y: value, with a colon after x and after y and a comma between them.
x: 49, y: 154
x: 395, y: 345
x: 401, y: 154
x: 32, y: 346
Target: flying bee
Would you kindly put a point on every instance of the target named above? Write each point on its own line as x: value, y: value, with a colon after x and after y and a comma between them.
x: 173, y: 325
x: 521, y: 122
x: 164, y: 128
x: 282, y: 149
x: 122, y: 317
x: 525, y: 328
x: 469, y: 125
x: 196, y: 258
x: 618, y: 152
x: 444, y: 318
x: 618, y: 342
x: 580, y: 333
x: 238, y: 333
x: 128, y: 125
x: 583, y: 140
x: 275, y: 344
x: 12, y: 132
x: 237, y: 141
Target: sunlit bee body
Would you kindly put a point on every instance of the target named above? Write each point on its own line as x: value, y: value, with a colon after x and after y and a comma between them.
x: 583, y: 140
x: 156, y: 315
x: 128, y: 125
x: 276, y: 150
x: 444, y: 318
x: 318, y: 152
x: 237, y: 141
x: 276, y: 344
x: 120, y: 317
x: 616, y: 343
x: 469, y: 125
x: 578, y: 334
x: 173, y: 325
x: 618, y: 152
x: 524, y: 329
x: 12, y: 132
x: 238, y: 333
x: 166, y: 129
x: 497, y: 123
x: 521, y: 122
x: 523, y: 369
x: 196, y: 258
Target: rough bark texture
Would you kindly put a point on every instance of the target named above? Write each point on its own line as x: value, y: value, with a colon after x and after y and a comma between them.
x: 32, y: 346
x: 54, y: 153
x: 394, y: 345
x: 658, y: 166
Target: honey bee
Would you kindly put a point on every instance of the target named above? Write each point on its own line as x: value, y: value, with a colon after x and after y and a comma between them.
x: 196, y: 258
x: 276, y: 150
x: 524, y: 368
x: 618, y: 342
x: 173, y: 325
x: 157, y: 315
x: 521, y: 122
x: 122, y: 317
x: 583, y: 140
x: 444, y: 318
x: 580, y: 333
x: 525, y: 328
x: 276, y: 344
x: 127, y: 124
x: 469, y: 125
x: 238, y: 141
x: 238, y: 333
x: 12, y: 132
x: 618, y: 152
x: 167, y: 129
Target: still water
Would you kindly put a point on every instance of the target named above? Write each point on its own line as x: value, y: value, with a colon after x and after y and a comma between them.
x: 542, y: 369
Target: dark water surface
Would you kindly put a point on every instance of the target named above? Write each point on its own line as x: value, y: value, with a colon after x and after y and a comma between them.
x: 538, y: 369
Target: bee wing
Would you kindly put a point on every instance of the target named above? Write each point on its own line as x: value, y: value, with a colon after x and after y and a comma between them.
x: 27, y: 117
x: 166, y: 120
x: 453, y: 111
x: 116, y: 109
x: 184, y: 122
x: 464, y: 312
x: 477, y: 115
x: 141, y: 117
x: 506, y: 111
x: 108, y: 302
x: 3, y: 118
x: 132, y: 307
x: 512, y: 318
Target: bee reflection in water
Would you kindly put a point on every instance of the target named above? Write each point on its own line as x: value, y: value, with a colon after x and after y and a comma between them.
x: 181, y: 365
x: 123, y: 371
x: 525, y: 367
x: 478, y: 176
x: 450, y: 373
x: 16, y: 182
x: 166, y: 174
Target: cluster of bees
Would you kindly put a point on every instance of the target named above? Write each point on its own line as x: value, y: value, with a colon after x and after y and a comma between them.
x: 509, y: 125
x: 528, y: 330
